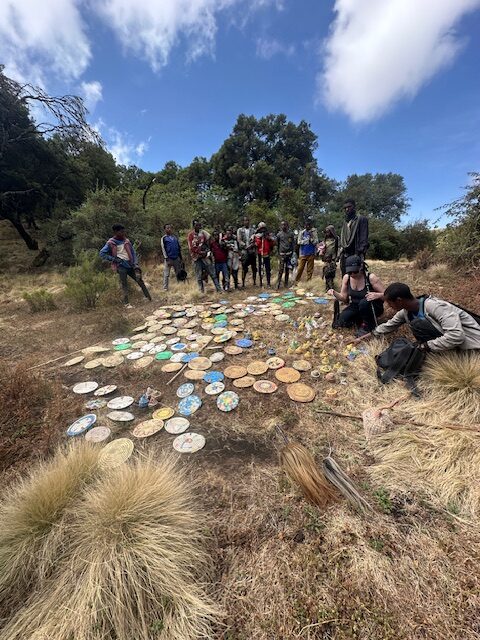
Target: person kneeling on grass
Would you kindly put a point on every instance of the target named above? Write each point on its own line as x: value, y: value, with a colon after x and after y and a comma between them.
x: 120, y: 252
x: 436, y: 324
x: 363, y: 292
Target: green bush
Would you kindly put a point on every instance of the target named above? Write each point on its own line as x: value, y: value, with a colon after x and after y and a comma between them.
x: 424, y: 259
x: 417, y: 236
x: 86, y: 283
x: 40, y: 300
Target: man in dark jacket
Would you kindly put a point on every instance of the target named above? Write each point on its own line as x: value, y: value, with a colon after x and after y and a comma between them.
x: 354, y: 234
x: 172, y: 254
x: 119, y: 251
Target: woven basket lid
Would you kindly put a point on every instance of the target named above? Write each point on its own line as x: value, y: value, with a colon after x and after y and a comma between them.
x: 144, y: 362
x: 243, y: 383
x: 200, y: 364
x: 302, y: 365
x: 287, y: 374
x: 171, y: 367
x: 97, y: 434
x: 113, y: 361
x: 115, y: 453
x: 265, y: 386
x: 233, y: 350
x: 104, y: 391
x: 147, y: 428
x: 85, y: 387
x: 93, y: 364
x: 73, y: 361
x: 234, y: 372
x: 194, y: 374
x: 300, y: 392
x: 275, y: 363
x: 257, y: 367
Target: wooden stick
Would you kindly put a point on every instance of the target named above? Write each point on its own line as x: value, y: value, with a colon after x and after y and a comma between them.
x: 186, y: 364
x: 67, y: 355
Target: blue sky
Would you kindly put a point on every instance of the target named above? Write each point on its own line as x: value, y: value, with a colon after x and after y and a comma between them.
x: 387, y: 85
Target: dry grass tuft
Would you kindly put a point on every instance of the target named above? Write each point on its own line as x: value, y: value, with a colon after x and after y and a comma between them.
x: 451, y: 389
x: 134, y: 567
x: 23, y: 397
x: 299, y: 465
x: 442, y: 464
x: 34, y: 530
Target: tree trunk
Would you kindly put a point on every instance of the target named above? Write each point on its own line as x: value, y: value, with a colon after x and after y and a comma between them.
x: 31, y: 243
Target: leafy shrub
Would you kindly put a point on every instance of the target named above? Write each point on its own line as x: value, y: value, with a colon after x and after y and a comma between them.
x: 424, y: 259
x: 86, y: 283
x: 416, y: 237
x: 40, y: 300
x: 460, y: 242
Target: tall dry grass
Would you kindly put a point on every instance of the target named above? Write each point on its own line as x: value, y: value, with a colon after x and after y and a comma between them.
x: 134, y: 568
x: 34, y: 530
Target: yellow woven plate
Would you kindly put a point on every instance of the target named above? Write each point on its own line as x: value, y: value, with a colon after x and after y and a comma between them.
x: 302, y: 365
x: 115, y: 453
x: 243, y: 383
x: 163, y: 414
x: 287, y: 374
x: 257, y: 368
x: 234, y: 372
x: 200, y: 364
x: 171, y: 367
x: 300, y: 392
x: 194, y: 374
x: 233, y: 350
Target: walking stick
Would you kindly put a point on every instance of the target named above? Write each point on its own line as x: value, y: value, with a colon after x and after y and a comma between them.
x: 367, y: 285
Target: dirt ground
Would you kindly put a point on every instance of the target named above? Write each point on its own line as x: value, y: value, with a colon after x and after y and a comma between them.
x: 282, y: 569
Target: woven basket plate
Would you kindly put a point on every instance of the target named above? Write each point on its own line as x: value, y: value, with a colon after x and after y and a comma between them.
x: 243, y: 383
x: 214, y: 388
x: 113, y: 361
x: 171, y: 367
x: 104, y: 391
x: 147, y: 428
x: 302, y: 365
x: 163, y: 414
x: 265, y: 386
x: 115, y: 453
x: 189, y: 443
x: 98, y: 434
x: 193, y: 374
x: 177, y: 425
x: 257, y: 368
x: 233, y: 350
x: 120, y: 416
x: 200, y: 364
x: 73, y: 361
x: 234, y: 372
x: 275, y: 363
x: 93, y: 364
x: 121, y: 402
x: 144, y: 362
x: 85, y: 387
x: 300, y: 392
x: 287, y: 374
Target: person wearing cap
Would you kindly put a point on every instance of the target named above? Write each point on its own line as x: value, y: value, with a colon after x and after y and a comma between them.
x: 285, y: 248
x: 353, y: 235
x: 199, y: 246
x: 172, y: 254
x: 436, y: 324
x: 329, y: 253
x: 308, y: 241
x: 363, y: 293
x: 120, y: 252
x: 265, y: 244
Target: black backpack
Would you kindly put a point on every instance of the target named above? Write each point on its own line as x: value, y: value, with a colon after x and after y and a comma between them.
x: 403, y: 360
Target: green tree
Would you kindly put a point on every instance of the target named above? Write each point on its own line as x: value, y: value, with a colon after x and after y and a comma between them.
x: 416, y: 237
x: 380, y: 195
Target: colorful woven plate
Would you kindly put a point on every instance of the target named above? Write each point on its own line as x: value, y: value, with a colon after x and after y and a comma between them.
x: 121, y: 402
x: 95, y: 405
x: 275, y: 363
x: 164, y: 355
x: 122, y: 347
x: 178, y: 357
x: 189, y: 442
x: 119, y: 341
x: 135, y: 355
x: 234, y: 372
x: 214, y: 388
x: 176, y: 425
x: 104, y: 391
x: 257, y: 368
x: 218, y: 356
x: 185, y: 390
x: 213, y: 376
x: 81, y: 425
x: 265, y: 386
x: 147, y: 428
x: 245, y: 343
x: 243, y: 383
x: 189, y: 405
x: 163, y: 414
x: 85, y: 387
x: 97, y: 434
x: 115, y: 453
x: 300, y: 392
x: 228, y: 401
x: 187, y: 357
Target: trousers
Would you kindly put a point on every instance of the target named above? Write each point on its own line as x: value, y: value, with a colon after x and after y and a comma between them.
x: 176, y: 264
x: 201, y: 265
x: 124, y: 273
x: 361, y: 314
x: 309, y: 261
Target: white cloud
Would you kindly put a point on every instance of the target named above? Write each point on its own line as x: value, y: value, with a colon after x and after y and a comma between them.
x: 91, y: 93
x: 121, y: 146
x: 269, y: 47
x: 152, y: 28
x: 39, y: 36
x: 380, y: 51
